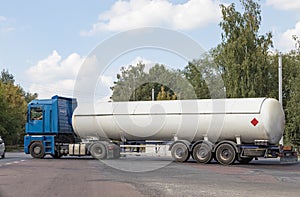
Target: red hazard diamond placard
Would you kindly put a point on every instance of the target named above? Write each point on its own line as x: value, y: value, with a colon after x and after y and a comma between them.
x: 254, y: 121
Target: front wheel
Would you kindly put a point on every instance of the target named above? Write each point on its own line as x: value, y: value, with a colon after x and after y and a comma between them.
x: 180, y: 152
x: 37, y: 150
x: 225, y: 154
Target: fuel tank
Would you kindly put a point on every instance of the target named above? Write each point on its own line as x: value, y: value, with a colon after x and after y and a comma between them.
x: 215, y: 119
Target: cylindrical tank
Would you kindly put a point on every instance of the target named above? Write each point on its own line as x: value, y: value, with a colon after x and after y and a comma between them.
x: 216, y: 119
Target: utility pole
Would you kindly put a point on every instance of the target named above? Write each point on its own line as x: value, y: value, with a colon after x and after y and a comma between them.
x: 280, y: 85
x: 152, y: 94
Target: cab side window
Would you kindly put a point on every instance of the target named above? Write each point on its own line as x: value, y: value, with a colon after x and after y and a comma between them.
x: 36, y: 113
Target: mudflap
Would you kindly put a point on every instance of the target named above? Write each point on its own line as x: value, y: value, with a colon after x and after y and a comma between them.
x: 289, y: 158
x: 113, y: 151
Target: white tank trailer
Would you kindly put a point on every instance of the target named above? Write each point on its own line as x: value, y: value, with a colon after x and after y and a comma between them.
x: 223, y: 129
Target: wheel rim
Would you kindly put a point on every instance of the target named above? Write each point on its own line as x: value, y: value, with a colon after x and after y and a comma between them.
x: 37, y: 150
x: 225, y: 154
x: 98, y: 151
x: 180, y: 152
x: 202, y: 153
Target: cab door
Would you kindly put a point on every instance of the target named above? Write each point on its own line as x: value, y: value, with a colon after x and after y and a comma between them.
x: 35, y: 122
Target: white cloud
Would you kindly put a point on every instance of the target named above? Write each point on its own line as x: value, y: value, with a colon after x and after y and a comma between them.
x: 284, y: 4
x: 286, y: 43
x: 54, y: 75
x: 124, y: 15
x: 2, y: 18
x: 148, y: 63
x: 5, y: 25
x: 103, y: 91
x: 106, y: 81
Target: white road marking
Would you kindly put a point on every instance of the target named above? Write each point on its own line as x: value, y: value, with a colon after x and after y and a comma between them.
x: 13, y: 162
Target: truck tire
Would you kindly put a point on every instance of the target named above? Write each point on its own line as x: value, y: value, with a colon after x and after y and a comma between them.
x: 202, y: 153
x: 37, y: 150
x: 180, y: 152
x: 98, y: 151
x: 225, y: 154
x: 3, y: 156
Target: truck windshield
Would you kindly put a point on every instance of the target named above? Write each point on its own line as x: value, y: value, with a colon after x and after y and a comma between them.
x: 36, y: 113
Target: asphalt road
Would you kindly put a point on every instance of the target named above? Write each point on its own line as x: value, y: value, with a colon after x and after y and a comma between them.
x: 20, y: 175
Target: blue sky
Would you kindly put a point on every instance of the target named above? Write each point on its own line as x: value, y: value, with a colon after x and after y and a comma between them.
x: 44, y: 43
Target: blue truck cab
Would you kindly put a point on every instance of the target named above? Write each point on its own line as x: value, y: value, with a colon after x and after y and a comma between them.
x: 49, y: 126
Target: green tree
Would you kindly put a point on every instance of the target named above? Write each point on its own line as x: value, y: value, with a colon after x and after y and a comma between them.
x: 243, y: 54
x: 13, y: 107
x: 135, y: 84
x: 173, y: 81
x: 193, y: 73
x: 163, y: 95
x: 29, y: 96
x: 291, y: 95
x: 130, y: 84
x: 297, y: 45
x: 205, y: 77
x: 6, y: 77
x: 13, y: 113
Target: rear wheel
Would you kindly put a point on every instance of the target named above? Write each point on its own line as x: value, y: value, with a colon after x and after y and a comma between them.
x: 180, y: 152
x: 98, y: 151
x: 37, y: 150
x: 202, y: 153
x: 225, y: 154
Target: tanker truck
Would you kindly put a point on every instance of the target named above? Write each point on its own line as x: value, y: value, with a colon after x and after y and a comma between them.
x: 226, y: 130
